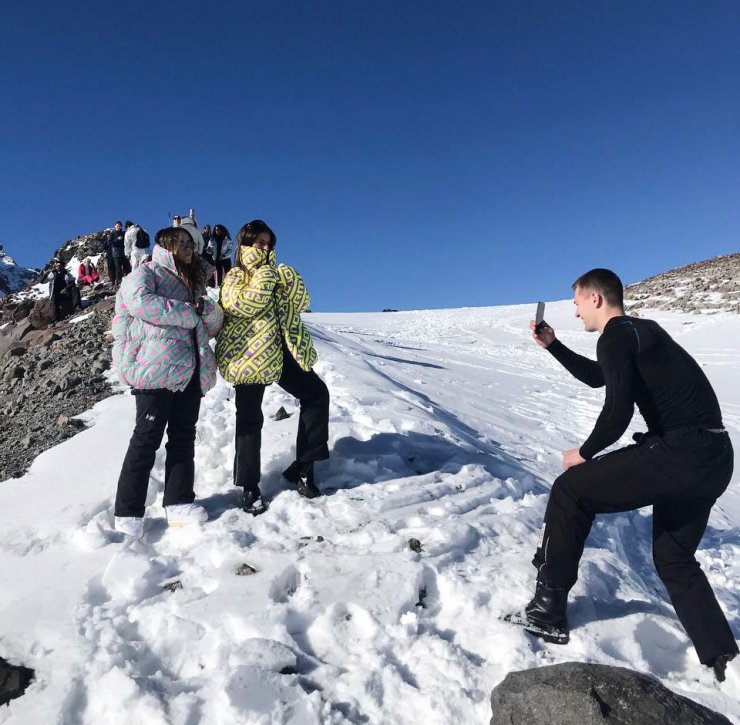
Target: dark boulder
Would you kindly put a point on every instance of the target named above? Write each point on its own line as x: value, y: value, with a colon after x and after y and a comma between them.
x: 576, y: 693
x: 14, y: 679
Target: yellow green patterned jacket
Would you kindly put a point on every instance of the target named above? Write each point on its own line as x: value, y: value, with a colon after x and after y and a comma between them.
x: 262, y: 307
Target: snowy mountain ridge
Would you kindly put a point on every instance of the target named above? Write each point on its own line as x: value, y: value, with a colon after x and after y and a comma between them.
x: 13, y: 278
x: 447, y: 427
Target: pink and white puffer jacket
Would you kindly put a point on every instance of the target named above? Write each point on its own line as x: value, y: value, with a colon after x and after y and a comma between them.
x: 153, y: 328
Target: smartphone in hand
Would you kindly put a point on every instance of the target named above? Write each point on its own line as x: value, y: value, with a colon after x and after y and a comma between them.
x: 539, y: 318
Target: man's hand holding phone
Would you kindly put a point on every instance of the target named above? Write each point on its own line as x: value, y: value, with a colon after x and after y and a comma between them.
x: 542, y: 333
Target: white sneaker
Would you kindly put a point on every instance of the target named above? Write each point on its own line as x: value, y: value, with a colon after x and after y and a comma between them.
x: 132, y: 526
x: 183, y: 514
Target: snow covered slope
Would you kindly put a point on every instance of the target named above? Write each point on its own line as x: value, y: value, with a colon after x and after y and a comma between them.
x: 446, y: 427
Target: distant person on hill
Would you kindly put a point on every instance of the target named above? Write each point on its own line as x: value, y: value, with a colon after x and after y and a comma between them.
x: 220, y: 250
x: 679, y: 467
x: 189, y: 224
x: 115, y: 253
x: 161, y: 330
x: 207, y: 235
x: 87, y: 272
x: 264, y: 341
x: 136, y: 244
x: 176, y: 220
x: 62, y: 292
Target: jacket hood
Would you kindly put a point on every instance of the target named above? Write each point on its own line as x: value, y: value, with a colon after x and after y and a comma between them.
x: 192, y: 228
x: 163, y: 256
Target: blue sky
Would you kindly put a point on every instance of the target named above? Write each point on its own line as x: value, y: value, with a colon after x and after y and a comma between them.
x: 407, y: 154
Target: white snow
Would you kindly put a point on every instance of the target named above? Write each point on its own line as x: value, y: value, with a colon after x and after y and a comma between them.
x: 80, y: 318
x: 446, y: 426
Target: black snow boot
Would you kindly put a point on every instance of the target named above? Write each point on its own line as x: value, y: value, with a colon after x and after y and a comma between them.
x: 252, y: 503
x: 720, y: 665
x: 302, y: 476
x: 546, y: 615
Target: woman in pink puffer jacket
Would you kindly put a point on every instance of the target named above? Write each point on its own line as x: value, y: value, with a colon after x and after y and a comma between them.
x: 162, y: 326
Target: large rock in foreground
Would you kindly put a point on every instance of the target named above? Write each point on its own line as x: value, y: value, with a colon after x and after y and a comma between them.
x: 575, y: 693
x: 14, y: 679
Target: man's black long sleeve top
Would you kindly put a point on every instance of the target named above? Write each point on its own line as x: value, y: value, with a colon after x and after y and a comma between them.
x: 640, y: 363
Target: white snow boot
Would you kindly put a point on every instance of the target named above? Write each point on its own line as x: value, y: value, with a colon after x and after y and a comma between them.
x: 132, y: 526
x: 184, y: 514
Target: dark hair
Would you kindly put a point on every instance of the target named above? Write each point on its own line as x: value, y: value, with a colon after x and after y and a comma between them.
x: 128, y: 223
x: 117, y: 221
x: 606, y: 283
x: 248, y: 233
x: 221, y: 232
x: 195, y: 272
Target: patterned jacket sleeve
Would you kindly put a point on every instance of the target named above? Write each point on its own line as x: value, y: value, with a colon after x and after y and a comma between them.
x: 294, y: 288
x: 243, y: 298
x: 138, y: 293
x: 213, y: 317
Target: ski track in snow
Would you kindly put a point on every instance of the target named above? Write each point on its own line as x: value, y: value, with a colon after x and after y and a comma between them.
x: 447, y: 427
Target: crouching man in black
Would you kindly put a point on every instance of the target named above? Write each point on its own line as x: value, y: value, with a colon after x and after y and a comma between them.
x: 679, y: 467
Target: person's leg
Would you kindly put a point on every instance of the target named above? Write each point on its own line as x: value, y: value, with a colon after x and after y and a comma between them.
x: 249, y: 420
x: 179, y: 470
x: 54, y: 307
x: 313, y: 422
x: 110, y: 264
x: 222, y: 267
x: 118, y: 267
x: 677, y: 531
x: 152, y: 412
x: 624, y: 480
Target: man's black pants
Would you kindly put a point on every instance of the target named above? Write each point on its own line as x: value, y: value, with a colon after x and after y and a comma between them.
x: 313, y: 422
x: 155, y: 410
x: 681, y: 475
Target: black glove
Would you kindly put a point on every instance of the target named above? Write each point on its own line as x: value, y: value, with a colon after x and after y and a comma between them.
x: 199, y: 306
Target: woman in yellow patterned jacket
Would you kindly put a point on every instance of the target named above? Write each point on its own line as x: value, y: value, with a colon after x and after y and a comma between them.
x: 264, y: 341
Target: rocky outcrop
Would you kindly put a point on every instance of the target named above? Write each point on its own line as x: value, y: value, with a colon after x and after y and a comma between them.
x: 703, y: 287
x: 576, y: 693
x: 48, y: 376
x: 18, y: 305
x: 86, y: 245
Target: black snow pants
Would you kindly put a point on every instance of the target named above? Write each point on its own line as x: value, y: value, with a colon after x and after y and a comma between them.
x: 222, y: 267
x: 680, y: 474
x: 155, y: 410
x: 313, y: 422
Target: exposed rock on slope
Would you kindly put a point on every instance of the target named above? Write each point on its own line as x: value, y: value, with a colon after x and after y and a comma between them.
x: 47, y: 377
x: 702, y: 287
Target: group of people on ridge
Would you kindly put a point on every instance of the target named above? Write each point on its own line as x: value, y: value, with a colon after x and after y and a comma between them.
x: 680, y: 466
x: 125, y: 249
